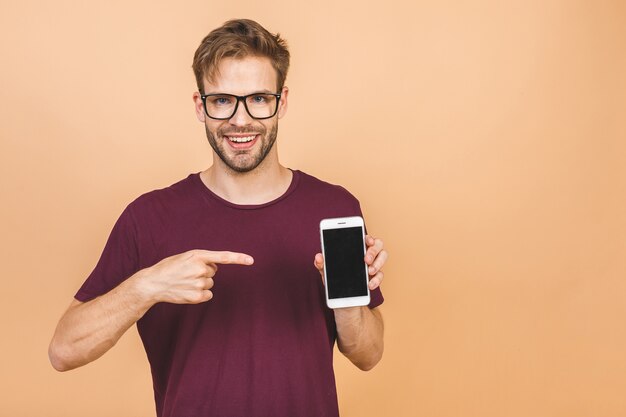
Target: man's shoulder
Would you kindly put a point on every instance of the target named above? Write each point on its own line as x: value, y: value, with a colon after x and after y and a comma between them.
x: 175, y: 194
x: 323, y: 199
x: 327, y: 189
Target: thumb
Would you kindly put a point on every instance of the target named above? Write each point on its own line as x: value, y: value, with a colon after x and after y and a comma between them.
x: 319, y: 262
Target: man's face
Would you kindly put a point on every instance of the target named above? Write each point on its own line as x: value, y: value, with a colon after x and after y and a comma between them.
x: 230, y: 138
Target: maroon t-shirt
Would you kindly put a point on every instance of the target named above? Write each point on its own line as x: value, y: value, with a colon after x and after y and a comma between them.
x: 263, y: 345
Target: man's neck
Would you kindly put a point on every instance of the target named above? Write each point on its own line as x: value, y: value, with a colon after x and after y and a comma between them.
x: 261, y: 185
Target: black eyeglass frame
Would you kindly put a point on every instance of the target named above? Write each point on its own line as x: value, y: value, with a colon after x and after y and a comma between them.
x: 240, y: 98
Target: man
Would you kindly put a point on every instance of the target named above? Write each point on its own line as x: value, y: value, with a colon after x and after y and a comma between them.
x: 216, y: 270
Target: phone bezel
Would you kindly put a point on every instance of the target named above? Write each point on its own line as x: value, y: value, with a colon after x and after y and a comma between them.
x: 342, y: 223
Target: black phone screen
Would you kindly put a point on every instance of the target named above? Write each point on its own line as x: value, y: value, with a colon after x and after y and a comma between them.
x: 345, y: 266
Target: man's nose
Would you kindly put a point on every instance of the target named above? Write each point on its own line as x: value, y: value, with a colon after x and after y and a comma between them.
x: 241, y: 116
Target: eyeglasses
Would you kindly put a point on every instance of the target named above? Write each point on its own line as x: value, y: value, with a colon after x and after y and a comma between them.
x: 224, y: 106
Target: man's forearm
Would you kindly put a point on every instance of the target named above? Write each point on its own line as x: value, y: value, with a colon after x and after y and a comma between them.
x: 360, y: 335
x: 88, y: 330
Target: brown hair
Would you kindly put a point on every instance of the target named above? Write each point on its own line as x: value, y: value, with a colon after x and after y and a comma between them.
x: 239, y: 38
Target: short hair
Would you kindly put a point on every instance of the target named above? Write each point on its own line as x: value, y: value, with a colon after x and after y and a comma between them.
x: 239, y: 38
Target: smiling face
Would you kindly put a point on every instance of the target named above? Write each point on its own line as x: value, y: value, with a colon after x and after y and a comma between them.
x: 241, y: 142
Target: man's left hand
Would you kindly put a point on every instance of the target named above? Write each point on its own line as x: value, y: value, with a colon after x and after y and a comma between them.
x: 375, y: 258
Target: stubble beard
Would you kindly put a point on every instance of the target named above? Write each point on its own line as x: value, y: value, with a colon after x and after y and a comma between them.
x: 237, y: 163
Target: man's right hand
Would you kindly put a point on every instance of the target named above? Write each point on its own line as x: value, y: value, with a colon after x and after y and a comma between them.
x: 88, y: 330
x: 186, y: 278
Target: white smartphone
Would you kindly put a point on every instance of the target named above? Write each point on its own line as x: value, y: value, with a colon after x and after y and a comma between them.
x: 345, y: 270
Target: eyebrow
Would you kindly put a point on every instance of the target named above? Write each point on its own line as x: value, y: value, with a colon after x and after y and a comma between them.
x: 256, y: 92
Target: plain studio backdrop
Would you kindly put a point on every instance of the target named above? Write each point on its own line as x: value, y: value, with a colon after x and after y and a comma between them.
x: 486, y: 141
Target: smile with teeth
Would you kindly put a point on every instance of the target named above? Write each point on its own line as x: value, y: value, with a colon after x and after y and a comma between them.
x: 241, y: 139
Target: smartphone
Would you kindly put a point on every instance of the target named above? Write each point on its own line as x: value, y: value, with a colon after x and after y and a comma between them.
x: 345, y: 270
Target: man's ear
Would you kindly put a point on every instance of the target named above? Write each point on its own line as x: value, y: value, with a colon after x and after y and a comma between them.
x: 282, y: 105
x: 199, y: 107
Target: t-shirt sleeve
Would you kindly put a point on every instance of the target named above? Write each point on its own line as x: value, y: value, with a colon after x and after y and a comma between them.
x: 118, y: 260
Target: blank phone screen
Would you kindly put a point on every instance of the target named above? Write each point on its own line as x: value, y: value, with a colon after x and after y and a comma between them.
x: 345, y: 267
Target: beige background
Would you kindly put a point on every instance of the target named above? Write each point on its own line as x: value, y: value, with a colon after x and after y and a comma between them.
x: 486, y: 141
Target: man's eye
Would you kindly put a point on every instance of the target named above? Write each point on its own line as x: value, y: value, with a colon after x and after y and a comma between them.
x: 259, y: 99
x: 221, y: 101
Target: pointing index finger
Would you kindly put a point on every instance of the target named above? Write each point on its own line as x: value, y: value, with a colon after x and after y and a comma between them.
x: 224, y: 257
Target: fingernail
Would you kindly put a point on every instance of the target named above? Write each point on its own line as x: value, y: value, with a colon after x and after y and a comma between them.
x: 249, y: 260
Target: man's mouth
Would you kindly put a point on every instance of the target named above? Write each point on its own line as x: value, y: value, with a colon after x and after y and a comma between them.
x: 241, y: 139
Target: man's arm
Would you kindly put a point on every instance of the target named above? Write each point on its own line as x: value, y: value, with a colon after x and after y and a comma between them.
x: 88, y: 330
x: 360, y: 335
x: 360, y: 329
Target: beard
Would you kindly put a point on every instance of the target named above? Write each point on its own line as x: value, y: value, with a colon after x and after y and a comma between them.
x: 243, y: 161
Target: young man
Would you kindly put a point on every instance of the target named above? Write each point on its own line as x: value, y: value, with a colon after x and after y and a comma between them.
x: 221, y: 271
